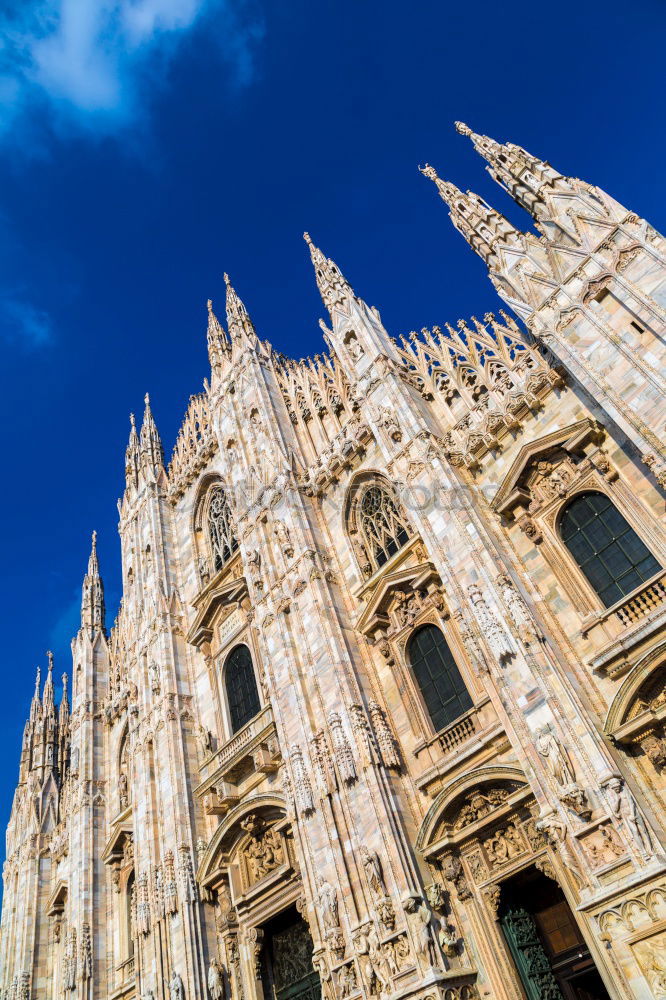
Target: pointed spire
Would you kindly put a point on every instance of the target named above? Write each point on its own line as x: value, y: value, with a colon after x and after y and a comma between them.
x: 152, y: 453
x: 336, y: 293
x: 240, y: 326
x: 92, y: 598
x: 36, y: 703
x: 480, y: 224
x: 219, y: 349
x: 533, y: 182
x: 48, y: 699
x: 132, y: 455
x: 63, y: 710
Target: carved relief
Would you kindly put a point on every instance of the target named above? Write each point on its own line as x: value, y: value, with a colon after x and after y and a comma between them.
x: 263, y: 852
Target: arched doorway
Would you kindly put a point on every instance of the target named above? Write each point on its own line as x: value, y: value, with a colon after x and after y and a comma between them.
x: 545, y: 942
x: 287, y: 971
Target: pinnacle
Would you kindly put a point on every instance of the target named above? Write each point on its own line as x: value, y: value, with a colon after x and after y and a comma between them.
x: 462, y: 129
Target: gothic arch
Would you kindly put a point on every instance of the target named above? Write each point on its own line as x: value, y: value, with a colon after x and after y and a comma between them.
x: 229, y: 831
x: 208, y: 557
x: 648, y: 668
x: 455, y: 790
x: 374, y: 520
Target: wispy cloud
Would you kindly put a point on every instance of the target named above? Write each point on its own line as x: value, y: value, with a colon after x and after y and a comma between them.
x: 24, y: 323
x: 91, y: 63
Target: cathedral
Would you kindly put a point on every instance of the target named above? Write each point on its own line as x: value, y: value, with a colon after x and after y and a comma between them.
x: 382, y: 713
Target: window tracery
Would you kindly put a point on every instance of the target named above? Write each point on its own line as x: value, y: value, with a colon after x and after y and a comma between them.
x: 378, y: 527
x: 221, y: 535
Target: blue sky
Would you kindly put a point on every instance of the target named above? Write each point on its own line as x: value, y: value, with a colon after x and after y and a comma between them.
x: 146, y: 146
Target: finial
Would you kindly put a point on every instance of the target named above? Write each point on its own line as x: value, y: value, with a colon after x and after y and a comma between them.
x: 429, y: 172
x: 308, y: 239
x: 64, y: 684
x: 226, y: 280
x: 38, y: 680
x: 94, y: 539
x: 132, y: 420
x: 463, y: 129
x: 209, y: 303
x: 146, y: 399
x: 50, y: 658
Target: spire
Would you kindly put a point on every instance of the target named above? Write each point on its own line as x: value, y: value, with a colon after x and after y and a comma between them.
x: 549, y: 196
x: 240, y: 326
x: 152, y: 453
x: 132, y: 455
x: 219, y: 349
x: 48, y: 700
x: 36, y: 703
x: 334, y: 290
x: 63, y: 710
x: 92, y: 599
x: 480, y: 224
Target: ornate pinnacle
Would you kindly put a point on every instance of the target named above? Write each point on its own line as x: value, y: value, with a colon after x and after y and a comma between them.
x: 446, y: 190
x: 239, y: 324
x: 333, y: 288
x: 463, y: 129
x: 151, y: 445
x: 218, y: 346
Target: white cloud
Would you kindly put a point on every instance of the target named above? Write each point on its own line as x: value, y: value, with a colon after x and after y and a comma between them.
x: 87, y: 61
x: 22, y: 322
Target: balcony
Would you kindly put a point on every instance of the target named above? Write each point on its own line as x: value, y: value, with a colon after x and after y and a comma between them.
x: 627, y: 625
x: 253, y: 750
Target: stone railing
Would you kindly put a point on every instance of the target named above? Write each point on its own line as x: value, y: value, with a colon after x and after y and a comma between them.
x: 458, y: 732
x: 224, y: 762
x: 643, y: 602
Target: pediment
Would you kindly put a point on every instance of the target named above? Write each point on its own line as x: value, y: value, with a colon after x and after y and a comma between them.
x: 573, y: 437
x: 406, y: 579
x: 122, y: 833
x: 220, y: 593
x: 56, y: 901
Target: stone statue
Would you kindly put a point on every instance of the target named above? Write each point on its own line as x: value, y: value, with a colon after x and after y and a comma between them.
x: 555, y: 757
x: 556, y: 832
x: 215, y: 980
x: 328, y: 899
x: 624, y: 809
x: 418, y: 919
x: 176, y: 988
x: 373, y: 872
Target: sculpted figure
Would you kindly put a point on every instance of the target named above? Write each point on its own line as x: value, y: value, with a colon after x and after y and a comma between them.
x: 176, y: 989
x: 373, y: 872
x: 555, y: 756
x: 623, y: 807
x: 215, y: 980
x: 556, y: 832
x: 328, y: 899
x: 418, y: 919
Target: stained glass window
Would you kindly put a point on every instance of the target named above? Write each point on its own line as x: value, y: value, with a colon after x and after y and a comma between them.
x: 220, y: 529
x: 382, y: 526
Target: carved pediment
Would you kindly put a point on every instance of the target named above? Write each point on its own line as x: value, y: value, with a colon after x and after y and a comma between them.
x: 119, y: 845
x: 397, y: 596
x: 515, y: 490
x: 220, y: 593
x: 56, y: 901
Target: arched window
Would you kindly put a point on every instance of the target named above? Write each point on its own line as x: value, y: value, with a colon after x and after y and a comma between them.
x: 606, y: 548
x: 241, y: 687
x: 437, y: 676
x: 383, y: 529
x: 130, y: 905
x: 220, y: 529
